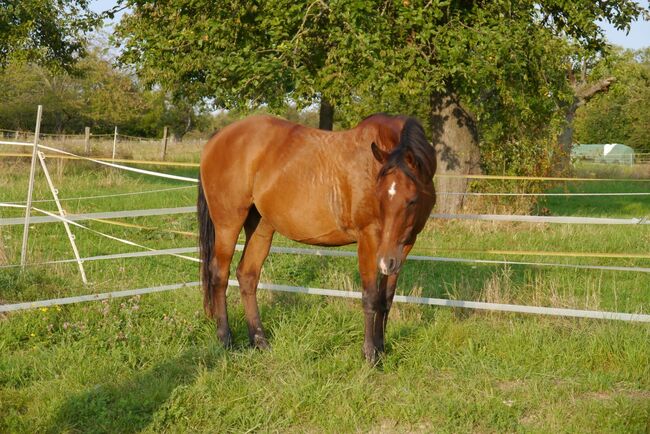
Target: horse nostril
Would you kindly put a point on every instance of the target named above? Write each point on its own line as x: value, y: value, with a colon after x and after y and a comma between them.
x: 388, y: 265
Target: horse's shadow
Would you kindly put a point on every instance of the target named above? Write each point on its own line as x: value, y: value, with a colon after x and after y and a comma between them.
x: 129, y: 405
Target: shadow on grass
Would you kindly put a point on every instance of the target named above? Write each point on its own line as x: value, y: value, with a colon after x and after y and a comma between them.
x: 129, y: 406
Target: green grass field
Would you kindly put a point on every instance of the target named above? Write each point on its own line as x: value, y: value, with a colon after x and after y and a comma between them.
x: 152, y: 363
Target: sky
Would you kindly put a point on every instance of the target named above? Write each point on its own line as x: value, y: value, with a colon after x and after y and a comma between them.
x: 638, y: 37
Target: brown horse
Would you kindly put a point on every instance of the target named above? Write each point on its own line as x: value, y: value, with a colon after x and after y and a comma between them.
x: 371, y: 185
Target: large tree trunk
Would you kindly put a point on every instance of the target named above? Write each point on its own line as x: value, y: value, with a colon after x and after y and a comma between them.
x: 455, y: 139
x: 326, y: 115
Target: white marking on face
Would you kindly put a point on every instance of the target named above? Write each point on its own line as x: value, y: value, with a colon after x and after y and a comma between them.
x: 391, y: 190
x: 382, y: 266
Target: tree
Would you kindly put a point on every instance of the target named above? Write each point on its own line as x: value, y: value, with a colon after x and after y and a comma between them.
x: 95, y: 94
x: 246, y: 54
x: 25, y: 86
x: 499, y: 64
x: 459, y: 64
x: 622, y: 115
x: 47, y: 32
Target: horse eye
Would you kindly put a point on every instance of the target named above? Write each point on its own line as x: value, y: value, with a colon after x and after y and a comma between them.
x: 412, y: 202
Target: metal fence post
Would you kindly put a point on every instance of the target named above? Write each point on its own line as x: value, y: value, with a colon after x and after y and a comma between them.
x: 71, y: 237
x: 30, y: 189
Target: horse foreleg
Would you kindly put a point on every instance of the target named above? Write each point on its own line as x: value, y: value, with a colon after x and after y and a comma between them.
x: 373, y: 302
x: 259, y: 236
x: 387, y: 287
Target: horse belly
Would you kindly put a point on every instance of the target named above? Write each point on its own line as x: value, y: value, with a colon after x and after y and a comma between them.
x: 307, y: 217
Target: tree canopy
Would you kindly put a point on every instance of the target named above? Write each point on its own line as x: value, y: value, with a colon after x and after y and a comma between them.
x: 46, y: 32
x: 249, y: 53
x: 622, y: 115
x: 95, y: 94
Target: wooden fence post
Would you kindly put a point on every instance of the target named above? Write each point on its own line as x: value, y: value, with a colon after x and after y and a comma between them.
x: 114, y: 143
x: 163, y: 150
x: 87, y: 140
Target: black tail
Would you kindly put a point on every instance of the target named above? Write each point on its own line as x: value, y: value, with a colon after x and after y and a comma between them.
x: 206, y: 247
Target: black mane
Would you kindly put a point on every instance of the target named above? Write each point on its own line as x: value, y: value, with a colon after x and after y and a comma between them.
x: 413, y: 142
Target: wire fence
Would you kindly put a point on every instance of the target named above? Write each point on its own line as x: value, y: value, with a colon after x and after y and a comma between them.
x: 182, y: 252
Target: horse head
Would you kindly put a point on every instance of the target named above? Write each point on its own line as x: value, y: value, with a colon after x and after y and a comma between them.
x: 405, y: 194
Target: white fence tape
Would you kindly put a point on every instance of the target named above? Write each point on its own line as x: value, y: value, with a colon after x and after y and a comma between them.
x: 103, y: 196
x: 91, y: 297
x: 120, y: 166
x: 545, y: 219
x: 99, y: 215
x: 146, y: 253
x: 488, y: 217
x: 472, y: 193
x: 106, y: 163
x: 341, y: 253
x: 3, y: 142
x: 538, y: 310
x: 111, y: 237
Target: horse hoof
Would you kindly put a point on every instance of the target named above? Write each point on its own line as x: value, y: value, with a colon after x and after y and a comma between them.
x: 225, y: 337
x: 260, y: 342
x: 372, y: 355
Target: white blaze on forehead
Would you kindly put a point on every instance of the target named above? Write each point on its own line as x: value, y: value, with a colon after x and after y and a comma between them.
x: 391, y: 190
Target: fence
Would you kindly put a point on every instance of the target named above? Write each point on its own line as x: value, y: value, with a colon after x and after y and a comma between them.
x: 73, y: 220
x: 108, y: 145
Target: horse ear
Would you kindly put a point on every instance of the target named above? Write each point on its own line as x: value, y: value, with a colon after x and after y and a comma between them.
x: 381, y: 156
x: 409, y: 158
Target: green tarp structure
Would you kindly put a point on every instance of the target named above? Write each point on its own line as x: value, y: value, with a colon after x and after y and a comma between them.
x: 613, y: 153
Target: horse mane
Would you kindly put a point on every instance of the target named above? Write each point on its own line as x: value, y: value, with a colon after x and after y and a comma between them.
x: 413, y: 142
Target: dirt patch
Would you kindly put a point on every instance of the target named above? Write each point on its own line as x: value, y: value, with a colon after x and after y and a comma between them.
x: 616, y: 393
x: 391, y: 426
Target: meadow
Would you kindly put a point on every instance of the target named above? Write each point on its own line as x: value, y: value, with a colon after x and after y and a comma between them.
x: 152, y: 363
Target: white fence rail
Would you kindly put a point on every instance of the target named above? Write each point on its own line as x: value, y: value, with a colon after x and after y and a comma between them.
x: 485, y: 217
x: 515, y: 308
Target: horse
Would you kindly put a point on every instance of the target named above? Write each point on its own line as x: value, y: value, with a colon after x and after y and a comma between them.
x: 371, y: 185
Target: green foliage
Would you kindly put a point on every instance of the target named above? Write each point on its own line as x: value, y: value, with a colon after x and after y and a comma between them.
x: 622, y: 115
x: 507, y: 60
x: 240, y: 53
x: 94, y: 94
x: 47, y: 32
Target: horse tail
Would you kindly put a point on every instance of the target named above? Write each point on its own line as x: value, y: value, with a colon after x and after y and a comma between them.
x: 206, y: 247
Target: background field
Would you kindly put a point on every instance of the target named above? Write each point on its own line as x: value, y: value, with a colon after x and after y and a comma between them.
x: 151, y: 363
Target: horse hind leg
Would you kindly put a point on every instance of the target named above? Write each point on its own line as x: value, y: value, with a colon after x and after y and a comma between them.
x: 226, y: 234
x: 219, y: 272
x: 259, y: 235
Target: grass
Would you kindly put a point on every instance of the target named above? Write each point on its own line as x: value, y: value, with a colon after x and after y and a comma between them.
x: 152, y: 364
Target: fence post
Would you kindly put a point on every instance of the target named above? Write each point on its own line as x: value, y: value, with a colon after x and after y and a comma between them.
x: 163, y: 150
x: 55, y: 195
x: 87, y: 140
x: 114, y: 142
x: 30, y: 189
